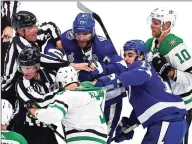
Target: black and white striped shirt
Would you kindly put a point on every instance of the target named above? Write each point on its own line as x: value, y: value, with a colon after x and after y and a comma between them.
x: 8, y: 9
x: 48, y: 30
x: 41, y: 91
x: 10, y: 70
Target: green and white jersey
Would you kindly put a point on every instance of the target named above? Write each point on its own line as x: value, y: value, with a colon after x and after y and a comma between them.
x: 180, y: 58
x: 81, y: 112
x: 9, y: 137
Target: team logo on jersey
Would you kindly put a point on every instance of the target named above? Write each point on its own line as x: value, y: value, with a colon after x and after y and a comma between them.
x: 71, y: 57
x: 106, y: 59
x: 95, y: 58
x: 70, y: 35
x: 172, y: 42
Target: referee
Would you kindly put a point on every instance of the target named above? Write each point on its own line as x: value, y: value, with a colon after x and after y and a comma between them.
x: 36, y: 84
x: 8, y: 9
x: 26, y: 27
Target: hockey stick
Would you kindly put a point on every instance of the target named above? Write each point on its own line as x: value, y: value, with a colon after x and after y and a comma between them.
x: 55, y: 131
x: 96, y: 17
x: 33, y: 104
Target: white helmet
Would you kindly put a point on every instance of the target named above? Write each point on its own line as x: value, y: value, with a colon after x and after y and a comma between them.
x: 7, y: 112
x: 66, y: 75
x: 164, y: 15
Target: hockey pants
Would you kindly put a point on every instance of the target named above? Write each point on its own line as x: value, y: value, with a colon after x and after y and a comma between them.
x: 166, y: 132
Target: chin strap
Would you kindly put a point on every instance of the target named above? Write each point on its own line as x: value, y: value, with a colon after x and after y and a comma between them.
x: 162, y: 32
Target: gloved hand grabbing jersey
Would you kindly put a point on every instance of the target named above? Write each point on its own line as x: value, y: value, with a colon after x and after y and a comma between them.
x: 161, y: 65
x: 109, y: 81
x: 90, y: 76
x: 124, y: 130
x: 31, y: 107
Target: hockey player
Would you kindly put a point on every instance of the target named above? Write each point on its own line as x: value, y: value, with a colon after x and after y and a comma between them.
x: 80, y: 108
x: 37, y: 84
x: 153, y: 103
x: 27, y: 33
x: 81, y: 44
x: 175, y: 60
x: 9, y: 137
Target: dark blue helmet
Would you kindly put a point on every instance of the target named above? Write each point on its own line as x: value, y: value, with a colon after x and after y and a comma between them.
x: 137, y: 45
x: 84, y: 22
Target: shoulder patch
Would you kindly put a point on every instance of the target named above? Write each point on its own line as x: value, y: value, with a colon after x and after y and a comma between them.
x: 172, y: 42
x: 69, y: 35
x: 169, y: 43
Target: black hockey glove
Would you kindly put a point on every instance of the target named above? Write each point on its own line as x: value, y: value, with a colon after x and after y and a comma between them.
x: 31, y: 104
x: 161, y: 65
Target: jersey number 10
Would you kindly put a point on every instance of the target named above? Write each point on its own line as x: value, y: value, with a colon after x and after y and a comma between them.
x: 183, y: 56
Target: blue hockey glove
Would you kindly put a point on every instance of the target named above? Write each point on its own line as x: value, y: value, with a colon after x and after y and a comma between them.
x: 161, y: 65
x: 124, y: 130
x: 110, y: 82
x: 88, y: 76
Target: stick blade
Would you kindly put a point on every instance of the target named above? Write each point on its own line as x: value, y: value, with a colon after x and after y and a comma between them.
x: 83, y: 8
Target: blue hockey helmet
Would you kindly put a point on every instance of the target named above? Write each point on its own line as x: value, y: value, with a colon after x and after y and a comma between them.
x: 84, y: 22
x: 137, y: 45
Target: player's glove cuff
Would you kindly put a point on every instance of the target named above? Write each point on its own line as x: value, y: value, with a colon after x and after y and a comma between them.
x: 31, y: 104
x: 164, y: 70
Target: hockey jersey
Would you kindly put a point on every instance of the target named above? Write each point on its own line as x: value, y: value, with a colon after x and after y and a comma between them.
x: 81, y: 112
x: 9, y: 137
x: 150, y: 96
x: 180, y: 58
x: 102, y: 49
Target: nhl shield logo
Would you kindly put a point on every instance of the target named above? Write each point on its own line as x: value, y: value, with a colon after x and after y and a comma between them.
x: 84, y: 58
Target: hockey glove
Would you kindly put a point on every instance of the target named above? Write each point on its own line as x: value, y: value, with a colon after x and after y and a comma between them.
x: 161, y: 65
x: 91, y: 76
x: 88, y: 76
x: 99, y: 67
x: 109, y: 82
x: 124, y: 130
x: 31, y: 104
x: 56, y: 52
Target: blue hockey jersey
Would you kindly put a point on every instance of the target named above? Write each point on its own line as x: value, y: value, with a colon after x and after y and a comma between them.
x: 150, y: 96
x: 103, y: 51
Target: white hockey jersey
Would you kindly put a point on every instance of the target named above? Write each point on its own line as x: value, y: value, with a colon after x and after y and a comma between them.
x: 81, y: 112
x: 179, y: 57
